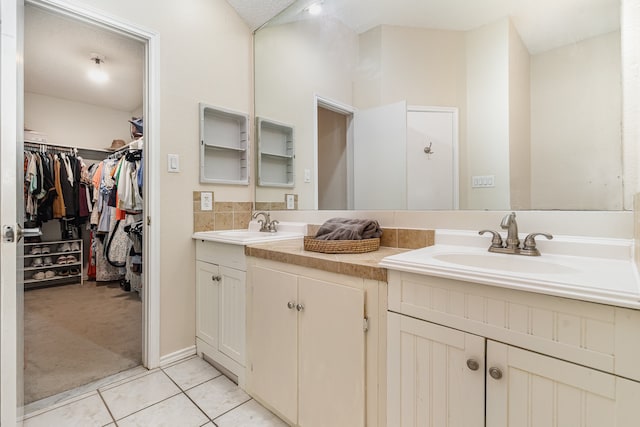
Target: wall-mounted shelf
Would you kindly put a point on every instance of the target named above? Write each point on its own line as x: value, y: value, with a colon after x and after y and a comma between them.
x: 224, y: 146
x: 275, y: 153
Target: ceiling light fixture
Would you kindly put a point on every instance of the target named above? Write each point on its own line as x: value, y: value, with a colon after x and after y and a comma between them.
x: 315, y: 9
x: 96, y: 74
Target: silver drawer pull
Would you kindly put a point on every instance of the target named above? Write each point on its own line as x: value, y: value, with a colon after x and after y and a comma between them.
x: 216, y: 278
x: 495, y: 373
x: 473, y: 364
x: 300, y: 307
x: 291, y: 305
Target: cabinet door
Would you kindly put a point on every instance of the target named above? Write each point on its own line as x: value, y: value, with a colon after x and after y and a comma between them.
x: 429, y: 380
x: 207, y: 302
x: 232, y: 313
x: 273, y: 340
x: 537, y: 390
x: 331, y: 343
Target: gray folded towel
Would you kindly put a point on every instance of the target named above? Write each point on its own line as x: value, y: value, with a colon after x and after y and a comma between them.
x: 348, y: 229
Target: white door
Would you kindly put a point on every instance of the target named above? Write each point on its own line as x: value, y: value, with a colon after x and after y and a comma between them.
x: 232, y: 313
x: 11, y: 213
x: 379, y: 157
x: 331, y: 359
x: 529, y: 389
x: 432, y: 158
x: 435, y: 375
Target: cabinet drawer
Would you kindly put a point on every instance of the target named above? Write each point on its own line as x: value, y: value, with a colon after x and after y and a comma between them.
x: 221, y: 254
x: 600, y: 336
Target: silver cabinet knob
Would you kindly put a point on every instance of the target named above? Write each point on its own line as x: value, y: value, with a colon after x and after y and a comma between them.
x: 300, y: 307
x: 473, y: 364
x: 216, y: 278
x: 291, y: 305
x: 495, y: 373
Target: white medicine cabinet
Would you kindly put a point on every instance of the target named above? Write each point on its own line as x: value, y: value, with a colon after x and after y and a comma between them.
x: 275, y: 153
x: 224, y: 146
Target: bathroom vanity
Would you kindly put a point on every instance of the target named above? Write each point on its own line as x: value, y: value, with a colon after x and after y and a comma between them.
x: 316, y: 332
x: 525, y: 346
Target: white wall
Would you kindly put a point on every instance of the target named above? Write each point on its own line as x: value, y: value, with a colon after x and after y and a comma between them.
x: 519, y: 122
x: 575, y: 121
x: 487, y: 116
x: 296, y: 62
x: 205, y: 55
x: 74, y: 123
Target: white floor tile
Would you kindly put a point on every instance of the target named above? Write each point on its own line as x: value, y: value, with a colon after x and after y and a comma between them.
x: 217, y: 396
x: 250, y: 414
x: 209, y: 424
x: 191, y: 372
x: 89, y: 411
x: 132, y: 396
x: 175, y: 411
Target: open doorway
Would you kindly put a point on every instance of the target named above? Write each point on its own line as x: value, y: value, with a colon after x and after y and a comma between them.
x: 334, y: 155
x: 84, y: 317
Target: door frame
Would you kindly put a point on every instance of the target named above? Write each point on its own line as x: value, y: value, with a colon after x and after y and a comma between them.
x: 347, y: 111
x: 151, y: 190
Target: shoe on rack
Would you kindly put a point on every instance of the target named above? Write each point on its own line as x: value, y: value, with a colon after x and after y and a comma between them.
x: 64, y: 247
x: 74, y: 271
x: 48, y: 260
x: 61, y: 260
x: 39, y: 275
x: 49, y: 274
x: 75, y: 246
x: 70, y: 259
x: 46, y: 250
x: 37, y: 262
x: 63, y: 272
x: 36, y: 250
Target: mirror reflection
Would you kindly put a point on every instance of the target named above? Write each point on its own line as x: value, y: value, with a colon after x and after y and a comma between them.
x: 445, y: 104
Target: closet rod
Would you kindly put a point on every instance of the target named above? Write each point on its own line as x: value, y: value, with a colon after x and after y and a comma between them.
x: 132, y: 146
x: 41, y: 146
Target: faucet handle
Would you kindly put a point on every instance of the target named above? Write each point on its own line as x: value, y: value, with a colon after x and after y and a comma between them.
x: 273, y: 226
x: 496, y: 241
x: 529, y: 245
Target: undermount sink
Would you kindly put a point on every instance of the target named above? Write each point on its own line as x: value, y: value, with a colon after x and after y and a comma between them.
x: 286, y: 231
x: 510, y: 263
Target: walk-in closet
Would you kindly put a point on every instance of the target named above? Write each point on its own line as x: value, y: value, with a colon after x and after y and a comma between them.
x: 84, y: 155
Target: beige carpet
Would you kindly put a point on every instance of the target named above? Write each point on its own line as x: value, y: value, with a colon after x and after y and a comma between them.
x: 74, y: 335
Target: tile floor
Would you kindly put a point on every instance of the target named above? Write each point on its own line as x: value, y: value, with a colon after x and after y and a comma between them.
x: 187, y: 393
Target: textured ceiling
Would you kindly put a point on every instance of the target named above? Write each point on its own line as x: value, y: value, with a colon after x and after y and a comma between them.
x: 56, y: 61
x: 257, y: 12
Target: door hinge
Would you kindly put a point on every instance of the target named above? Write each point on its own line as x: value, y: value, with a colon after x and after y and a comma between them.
x: 148, y: 220
x: 365, y: 324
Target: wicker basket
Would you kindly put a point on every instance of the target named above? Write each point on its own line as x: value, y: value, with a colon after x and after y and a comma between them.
x: 341, y: 246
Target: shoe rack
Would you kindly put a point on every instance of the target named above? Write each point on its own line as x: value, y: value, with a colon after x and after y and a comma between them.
x: 50, y: 263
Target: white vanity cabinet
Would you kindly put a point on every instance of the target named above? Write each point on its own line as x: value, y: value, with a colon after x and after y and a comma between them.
x: 524, y: 358
x: 310, y: 357
x: 220, y: 305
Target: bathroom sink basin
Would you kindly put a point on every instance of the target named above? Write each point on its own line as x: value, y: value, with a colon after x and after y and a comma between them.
x: 286, y: 231
x: 511, y: 263
x: 598, y: 277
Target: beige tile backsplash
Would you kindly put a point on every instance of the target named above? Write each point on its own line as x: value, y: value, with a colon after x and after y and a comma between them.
x: 224, y: 216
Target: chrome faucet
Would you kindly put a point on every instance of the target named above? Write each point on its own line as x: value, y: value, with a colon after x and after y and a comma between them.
x: 511, y: 244
x: 266, y: 225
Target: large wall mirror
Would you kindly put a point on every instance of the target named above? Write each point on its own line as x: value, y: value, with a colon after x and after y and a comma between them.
x: 446, y: 104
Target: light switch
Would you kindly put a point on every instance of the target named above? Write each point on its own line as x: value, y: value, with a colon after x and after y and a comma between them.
x: 307, y: 175
x: 206, y: 201
x: 173, y: 161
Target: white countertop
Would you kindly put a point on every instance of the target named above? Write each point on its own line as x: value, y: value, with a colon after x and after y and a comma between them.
x: 603, y: 272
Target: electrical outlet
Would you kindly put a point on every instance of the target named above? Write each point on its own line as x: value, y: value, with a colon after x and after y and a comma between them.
x: 291, y: 201
x: 206, y: 201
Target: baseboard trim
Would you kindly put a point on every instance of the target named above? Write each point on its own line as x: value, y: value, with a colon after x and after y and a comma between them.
x: 177, y: 355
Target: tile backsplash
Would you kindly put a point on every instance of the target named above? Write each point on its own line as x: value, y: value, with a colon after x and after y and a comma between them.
x: 222, y: 216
